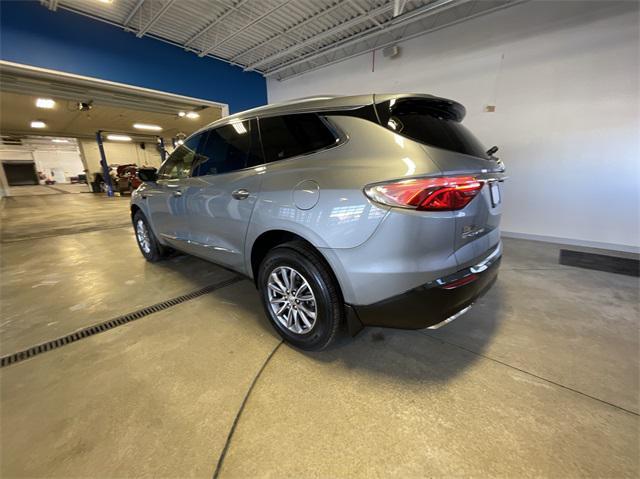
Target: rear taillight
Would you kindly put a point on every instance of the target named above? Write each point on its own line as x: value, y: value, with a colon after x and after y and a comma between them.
x: 427, y: 194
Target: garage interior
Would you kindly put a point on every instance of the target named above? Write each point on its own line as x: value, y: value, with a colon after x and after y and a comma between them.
x: 116, y: 367
x: 135, y: 126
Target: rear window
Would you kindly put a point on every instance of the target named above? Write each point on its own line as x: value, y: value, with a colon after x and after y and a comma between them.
x: 433, y: 126
x: 292, y: 135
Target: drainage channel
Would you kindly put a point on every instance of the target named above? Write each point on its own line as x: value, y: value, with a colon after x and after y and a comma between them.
x: 83, y: 333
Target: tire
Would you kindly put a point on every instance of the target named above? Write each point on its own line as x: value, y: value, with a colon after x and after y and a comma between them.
x: 152, y: 251
x: 295, y: 324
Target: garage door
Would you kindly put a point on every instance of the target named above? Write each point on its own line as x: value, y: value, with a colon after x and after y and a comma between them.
x: 20, y: 173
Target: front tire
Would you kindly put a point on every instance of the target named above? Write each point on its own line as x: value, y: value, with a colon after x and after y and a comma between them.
x: 149, y: 246
x: 300, y: 296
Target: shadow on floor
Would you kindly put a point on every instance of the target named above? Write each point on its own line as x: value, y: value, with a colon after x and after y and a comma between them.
x: 410, y: 355
x: 418, y: 355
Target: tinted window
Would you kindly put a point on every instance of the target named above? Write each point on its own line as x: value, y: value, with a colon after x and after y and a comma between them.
x: 179, y: 163
x: 433, y: 126
x: 292, y: 135
x: 229, y: 148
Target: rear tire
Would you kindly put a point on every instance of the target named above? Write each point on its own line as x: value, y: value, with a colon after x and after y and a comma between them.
x: 149, y: 246
x: 300, y: 296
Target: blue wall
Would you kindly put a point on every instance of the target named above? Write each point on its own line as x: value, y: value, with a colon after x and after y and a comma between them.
x: 65, y: 41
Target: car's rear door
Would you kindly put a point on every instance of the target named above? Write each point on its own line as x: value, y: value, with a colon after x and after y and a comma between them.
x: 222, y: 192
x: 165, y: 198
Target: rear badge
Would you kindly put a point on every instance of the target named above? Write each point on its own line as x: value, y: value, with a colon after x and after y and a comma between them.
x: 470, y: 231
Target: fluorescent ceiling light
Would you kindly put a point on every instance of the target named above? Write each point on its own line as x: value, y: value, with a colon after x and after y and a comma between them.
x: 38, y: 124
x: 60, y: 140
x: 192, y: 115
x: 181, y: 114
x: 105, y: 1
x: 144, y: 126
x: 118, y: 138
x: 45, y: 103
x: 239, y: 127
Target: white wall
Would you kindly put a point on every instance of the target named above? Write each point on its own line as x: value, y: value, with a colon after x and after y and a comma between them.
x: 64, y: 161
x: 52, y: 162
x: 564, y: 78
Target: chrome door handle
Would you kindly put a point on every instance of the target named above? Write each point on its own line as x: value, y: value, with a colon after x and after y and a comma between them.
x: 177, y: 193
x: 240, y: 194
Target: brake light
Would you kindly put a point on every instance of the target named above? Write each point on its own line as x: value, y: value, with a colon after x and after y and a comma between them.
x: 427, y: 194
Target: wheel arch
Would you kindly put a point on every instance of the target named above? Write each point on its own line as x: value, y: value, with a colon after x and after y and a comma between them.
x: 273, y: 238
x: 134, y: 209
x: 268, y: 240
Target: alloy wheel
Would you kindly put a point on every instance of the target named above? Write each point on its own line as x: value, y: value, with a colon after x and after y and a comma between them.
x: 142, y: 233
x: 291, y: 300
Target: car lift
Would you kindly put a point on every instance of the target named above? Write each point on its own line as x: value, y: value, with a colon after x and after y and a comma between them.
x: 106, y: 177
x: 105, y: 166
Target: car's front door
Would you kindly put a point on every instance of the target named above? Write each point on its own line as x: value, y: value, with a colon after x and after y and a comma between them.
x: 223, y: 190
x: 166, y: 201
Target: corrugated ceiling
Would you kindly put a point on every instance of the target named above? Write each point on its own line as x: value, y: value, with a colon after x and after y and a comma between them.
x: 281, y: 38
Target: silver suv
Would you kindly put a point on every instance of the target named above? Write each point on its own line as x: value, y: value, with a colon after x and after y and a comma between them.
x: 372, y: 210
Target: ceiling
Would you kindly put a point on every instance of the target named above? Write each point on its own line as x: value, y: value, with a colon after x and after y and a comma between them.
x: 18, y: 110
x: 114, y: 107
x: 281, y: 38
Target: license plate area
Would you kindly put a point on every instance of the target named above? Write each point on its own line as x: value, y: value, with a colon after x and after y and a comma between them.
x: 494, y: 189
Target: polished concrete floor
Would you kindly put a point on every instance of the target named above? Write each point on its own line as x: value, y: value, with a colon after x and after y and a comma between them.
x: 539, y: 379
x: 57, y: 189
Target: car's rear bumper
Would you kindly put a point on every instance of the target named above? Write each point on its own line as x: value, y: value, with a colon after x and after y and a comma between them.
x: 435, y: 302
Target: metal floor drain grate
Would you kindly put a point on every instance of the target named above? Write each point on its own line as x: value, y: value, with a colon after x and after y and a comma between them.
x: 110, y: 324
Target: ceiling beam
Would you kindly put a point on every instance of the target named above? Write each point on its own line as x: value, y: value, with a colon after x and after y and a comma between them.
x: 364, y: 12
x: 322, y: 35
x: 214, y: 47
x: 422, y: 32
x: 398, y: 7
x: 393, y: 24
x: 214, y: 22
x: 288, y: 31
x: 155, y: 18
x: 133, y: 11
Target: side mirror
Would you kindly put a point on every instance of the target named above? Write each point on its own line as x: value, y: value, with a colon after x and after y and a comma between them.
x: 148, y: 175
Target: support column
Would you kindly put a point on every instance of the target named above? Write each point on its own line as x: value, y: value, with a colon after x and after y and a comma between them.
x: 103, y: 162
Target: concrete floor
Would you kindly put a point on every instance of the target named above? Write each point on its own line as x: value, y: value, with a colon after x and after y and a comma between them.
x: 540, y: 378
x: 57, y: 189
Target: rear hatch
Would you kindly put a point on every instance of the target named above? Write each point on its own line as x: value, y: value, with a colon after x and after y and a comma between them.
x: 436, y: 124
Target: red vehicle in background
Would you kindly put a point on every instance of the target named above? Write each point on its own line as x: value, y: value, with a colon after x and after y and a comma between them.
x: 126, y: 179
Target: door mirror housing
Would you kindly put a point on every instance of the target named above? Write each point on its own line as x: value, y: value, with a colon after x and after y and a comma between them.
x: 148, y: 175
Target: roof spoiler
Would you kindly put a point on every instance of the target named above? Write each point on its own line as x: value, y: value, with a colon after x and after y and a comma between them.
x: 386, y: 105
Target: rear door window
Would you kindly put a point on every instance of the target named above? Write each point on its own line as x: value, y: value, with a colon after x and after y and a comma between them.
x: 292, y: 135
x: 433, y: 126
x: 229, y: 148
